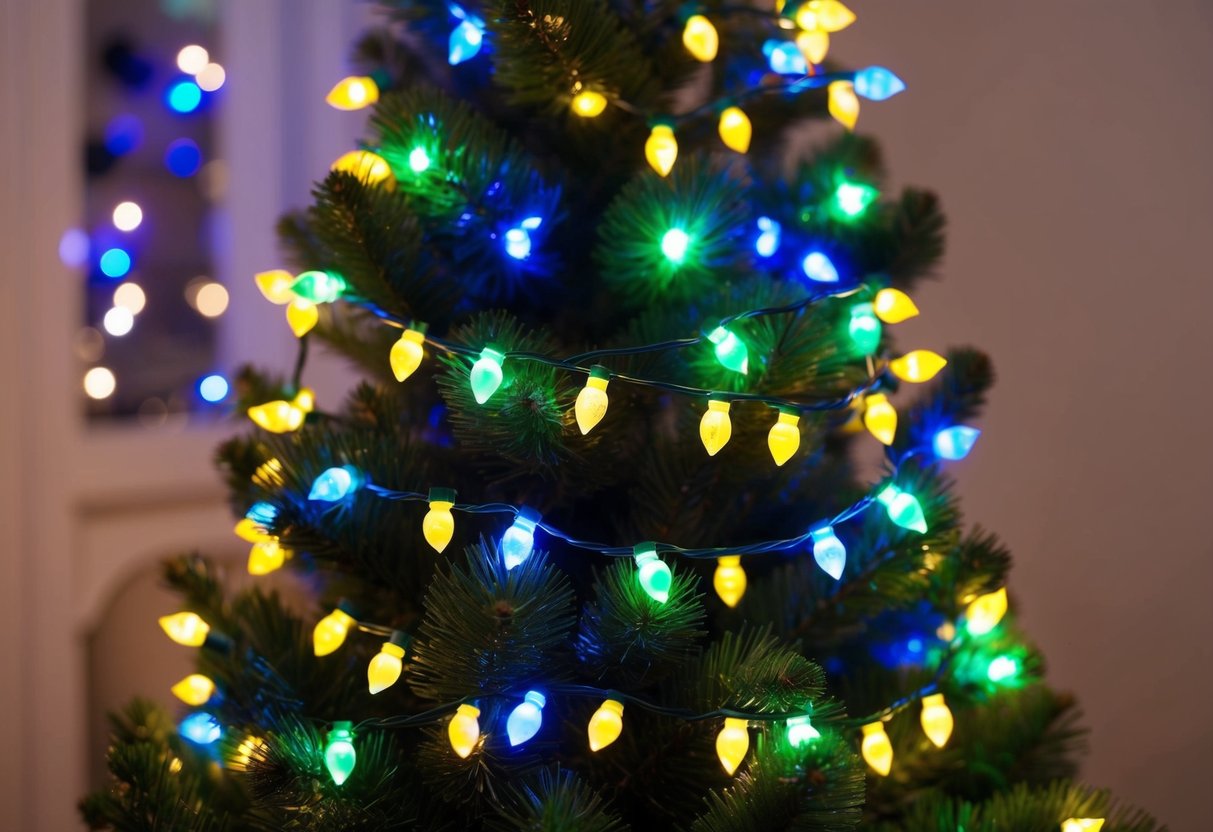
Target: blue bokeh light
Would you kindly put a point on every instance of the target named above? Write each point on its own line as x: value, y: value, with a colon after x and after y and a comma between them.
x: 768, y: 238
x: 213, y: 388
x: 200, y: 727
x: 73, y: 247
x: 183, y: 96
x: 183, y: 158
x: 115, y: 263
x: 123, y: 134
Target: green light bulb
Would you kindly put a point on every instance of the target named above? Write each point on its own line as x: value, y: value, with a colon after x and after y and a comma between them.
x: 654, y: 574
x: 486, y: 374
x: 851, y: 199
x: 801, y: 732
x: 731, y: 351
x: 339, y: 754
x: 864, y: 328
x: 319, y: 287
x: 419, y: 160
x: 904, y: 509
x: 1002, y: 669
x: 674, y: 245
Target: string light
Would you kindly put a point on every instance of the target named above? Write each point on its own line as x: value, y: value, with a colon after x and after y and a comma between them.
x: 893, y: 306
x: 864, y: 328
x: 674, y: 245
x: 700, y: 38
x: 464, y: 730
x: 419, y: 160
x: 335, y: 484
x: 731, y: 351
x: 903, y: 508
x: 606, y: 724
x: 876, y: 748
x: 589, y: 103
x: 729, y: 580
x: 200, y: 728
x: 732, y: 743
x: 652, y: 572
x: 851, y: 199
x: 301, y: 316
x: 385, y: 668
x: 984, y: 613
x: 828, y: 551
x: 281, y: 416
x: 275, y: 285
x: 784, y: 58
x: 819, y: 268
x: 735, y: 129
x: 592, y: 401
x: 366, y: 166
x: 526, y: 719
x: 918, y: 365
x: 936, y: 719
x: 319, y: 287
x: 813, y: 45
x: 1082, y: 825
x: 784, y: 437
x: 194, y: 689
x: 1002, y: 668
x: 339, y: 754
x: 353, y: 93
x: 265, y: 557
x: 439, y: 524
x: 487, y: 375
x: 465, y: 41
x: 406, y: 354
x: 880, y: 418
x: 330, y: 631
x: 715, y: 427
x: 801, y: 732
x: 186, y: 628
x: 955, y: 442
x: 519, y: 539
x: 824, y: 15
x: 843, y: 103
x: 876, y: 83
x: 768, y: 237
x: 661, y: 149
x: 518, y: 238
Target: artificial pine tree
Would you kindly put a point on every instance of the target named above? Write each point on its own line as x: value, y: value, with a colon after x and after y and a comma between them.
x: 589, y: 549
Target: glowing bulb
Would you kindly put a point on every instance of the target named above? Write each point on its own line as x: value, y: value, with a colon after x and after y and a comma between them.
x: 118, y: 321
x: 589, y: 104
x: 844, y: 104
x: 954, y: 442
x: 715, y: 427
x: 813, y: 45
x: 201, y: 728
x: 319, y: 287
x: 984, y: 613
x: 526, y: 719
x: 729, y: 580
x: 265, y: 557
x: 731, y: 351
x: 674, y: 244
x: 330, y: 631
x: 366, y: 166
x: 1002, y: 668
x: 279, y: 416
x: 387, y: 665
x: 194, y: 689
x: 880, y: 418
x: 339, y: 754
x: 864, y: 328
x: 486, y: 375
x: 335, y: 484
x: 606, y: 724
x: 826, y: 15
x: 784, y: 437
x: 851, y: 199
x: 419, y: 160
x: 919, y: 365
x: 903, y: 508
x: 592, y: 400
x: 127, y: 216
x: 652, y: 572
x: 302, y: 316
x: 768, y: 237
x: 877, y: 750
x: 275, y: 286
x: 819, y: 268
x: 700, y: 38
x: 732, y: 743
x: 186, y: 628
x: 464, y: 730
x: 936, y: 719
x: 519, y: 539
x: 518, y: 238
x: 465, y: 43
x: 876, y: 83
x: 407, y: 353
x: 661, y: 149
x: 1082, y: 825
x: 893, y: 306
x: 263, y: 514
x: 353, y: 93
x: 191, y: 59
x: 784, y: 58
x: 801, y: 731
x: 735, y: 129
x: 828, y: 551
x: 439, y: 525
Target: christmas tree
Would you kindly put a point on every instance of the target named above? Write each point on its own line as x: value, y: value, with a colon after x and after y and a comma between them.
x: 590, y: 548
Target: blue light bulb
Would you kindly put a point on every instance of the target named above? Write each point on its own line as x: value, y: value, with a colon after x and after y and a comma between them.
x: 200, y: 727
x: 184, y: 96
x: 263, y: 514
x: 768, y: 238
x: 828, y: 551
x: 877, y: 83
x: 525, y: 720
x: 519, y: 539
x: 820, y: 268
x: 465, y: 42
x: 518, y: 238
x: 955, y: 442
x: 784, y: 58
x: 335, y: 484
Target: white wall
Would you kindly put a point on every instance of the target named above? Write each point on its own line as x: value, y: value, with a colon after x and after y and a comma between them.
x: 1070, y: 142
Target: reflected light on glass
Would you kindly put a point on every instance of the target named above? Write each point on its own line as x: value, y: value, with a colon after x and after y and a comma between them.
x: 99, y: 383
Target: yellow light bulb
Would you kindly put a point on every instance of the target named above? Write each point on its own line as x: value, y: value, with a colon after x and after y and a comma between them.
x: 1082, y: 825
x: 353, y: 93
x: 735, y: 129
x: 729, y: 580
x: 592, y: 400
x: 936, y: 719
x: 275, y: 286
x: 880, y: 418
x: 277, y: 416
x: 985, y: 612
x: 893, y: 306
x: 661, y: 149
x: 249, y: 749
x: 606, y: 724
x: 301, y: 316
x: 194, y: 689
x: 784, y: 438
x: 715, y: 427
x: 331, y: 631
x: 407, y: 353
x: 826, y: 15
x: 439, y: 525
x: 813, y: 45
x: 265, y: 557
x: 252, y: 531
x: 589, y: 104
x: 877, y: 750
x: 700, y: 38
x: 919, y: 365
x: 844, y: 103
x: 464, y: 730
x: 305, y: 399
x: 186, y: 628
x: 368, y: 167
x: 732, y: 743
x: 385, y: 667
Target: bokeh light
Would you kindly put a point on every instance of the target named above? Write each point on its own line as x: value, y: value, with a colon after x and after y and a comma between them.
x: 183, y: 97
x: 127, y: 216
x: 183, y: 158
x: 208, y: 297
x: 192, y: 59
x: 211, y: 77
x: 213, y: 388
x: 130, y: 296
x: 115, y: 262
x: 99, y: 383
x: 123, y: 134
x: 118, y: 321
x: 73, y: 247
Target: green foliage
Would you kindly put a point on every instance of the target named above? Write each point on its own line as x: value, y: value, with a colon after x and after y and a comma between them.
x: 555, y: 800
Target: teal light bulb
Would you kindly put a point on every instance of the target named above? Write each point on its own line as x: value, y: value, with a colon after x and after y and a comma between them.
x: 319, y: 287
x: 731, y: 351
x: 864, y: 328
x: 335, y: 484
x: 653, y: 573
x: 525, y: 720
x: 487, y: 374
x: 903, y: 508
x: 339, y: 754
x: 674, y: 245
x: 828, y: 551
x: 876, y: 83
x: 519, y: 539
x: 801, y: 732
